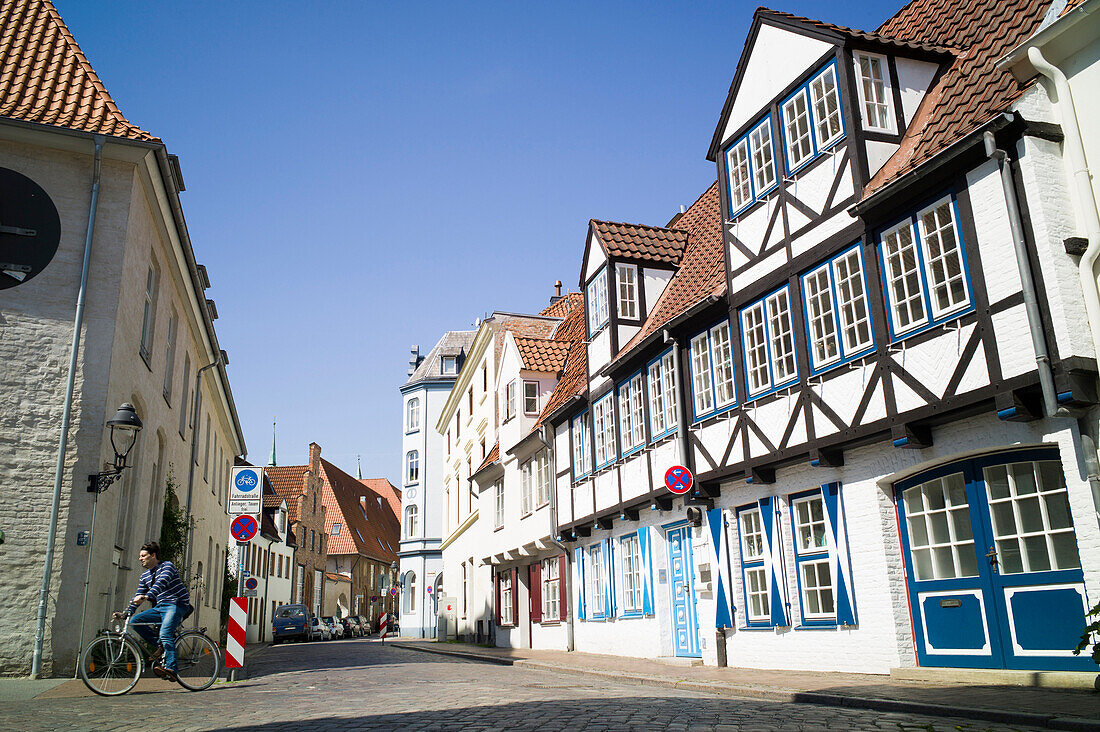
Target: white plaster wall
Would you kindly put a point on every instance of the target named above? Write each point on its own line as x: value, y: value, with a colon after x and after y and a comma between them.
x: 913, y: 80
x: 599, y: 353
x: 877, y: 154
x: 655, y: 282
x: 596, y: 259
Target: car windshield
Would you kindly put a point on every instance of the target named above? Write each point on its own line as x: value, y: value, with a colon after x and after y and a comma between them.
x: 290, y: 612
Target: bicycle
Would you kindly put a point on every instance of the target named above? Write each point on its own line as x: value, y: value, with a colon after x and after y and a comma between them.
x: 114, y: 661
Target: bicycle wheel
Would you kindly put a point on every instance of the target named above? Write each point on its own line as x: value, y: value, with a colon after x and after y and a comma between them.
x: 198, y: 660
x: 111, y: 665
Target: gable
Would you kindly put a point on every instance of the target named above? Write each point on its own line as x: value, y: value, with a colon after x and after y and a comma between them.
x: 773, y: 58
x: 594, y: 258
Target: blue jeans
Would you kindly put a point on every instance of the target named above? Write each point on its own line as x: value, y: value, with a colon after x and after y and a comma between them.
x: 169, y: 615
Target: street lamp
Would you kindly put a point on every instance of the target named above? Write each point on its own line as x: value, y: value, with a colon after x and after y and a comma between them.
x: 124, y: 421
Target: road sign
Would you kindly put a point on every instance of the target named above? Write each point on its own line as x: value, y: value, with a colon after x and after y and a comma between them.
x: 238, y: 622
x: 251, y: 583
x: 249, y: 593
x: 679, y: 479
x: 430, y: 589
x: 394, y: 592
x: 244, y: 528
x: 245, y: 491
x: 374, y: 598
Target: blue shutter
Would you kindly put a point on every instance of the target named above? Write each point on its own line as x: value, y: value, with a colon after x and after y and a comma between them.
x: 773, y: 557
x: 609, y: 585
x: 647, y: 571
x: 722, y: 615
x: 840, y: 561
x: 578, y: 583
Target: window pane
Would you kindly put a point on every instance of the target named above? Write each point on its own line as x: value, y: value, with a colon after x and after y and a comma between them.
x: 876, y: 107
x: 1058, y: 515
x: 737, y: 163
x: 628, y: 303
x: 656, y: 401
x: 763, y: 164
x: 826, y: 107
x: 941, y: 247
x: 1008, y: 552
x: 782, y: 336
x: 903, y: 278
x: 819, y: 310
x: 700, y: 374
x: 723, y: 365
x: 1065, y: 550
x: 756, y: 348
x: 855, y: 318
x: 796, y: 117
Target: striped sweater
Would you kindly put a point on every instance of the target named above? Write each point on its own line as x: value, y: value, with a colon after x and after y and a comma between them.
x: 161, y: 584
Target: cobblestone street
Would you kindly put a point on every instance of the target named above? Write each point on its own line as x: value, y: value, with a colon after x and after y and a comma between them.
x: 359, y: 684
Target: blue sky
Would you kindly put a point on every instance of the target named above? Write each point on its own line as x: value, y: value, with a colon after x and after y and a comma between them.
x: 362, y: 176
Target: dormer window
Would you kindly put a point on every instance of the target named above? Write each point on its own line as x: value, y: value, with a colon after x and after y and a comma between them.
x: 874, y: 92
x: 627, y: 277
x: 812, y: 119
x: 450, y: 365
x: 597, y: 302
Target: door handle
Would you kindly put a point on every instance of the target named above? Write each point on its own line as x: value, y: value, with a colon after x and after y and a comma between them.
x: 991, y: 555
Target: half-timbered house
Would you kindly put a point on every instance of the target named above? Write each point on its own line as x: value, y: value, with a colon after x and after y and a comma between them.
x: 868, y: 340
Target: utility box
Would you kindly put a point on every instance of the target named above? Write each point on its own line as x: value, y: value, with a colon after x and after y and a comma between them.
x: 446, y: 618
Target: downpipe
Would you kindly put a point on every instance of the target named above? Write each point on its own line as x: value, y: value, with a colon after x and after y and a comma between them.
x: 66, y: 417
x: 544, y: 437
x: 194, y: 455
x: 681, y: 403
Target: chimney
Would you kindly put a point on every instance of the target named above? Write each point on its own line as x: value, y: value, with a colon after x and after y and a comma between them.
x: 414, y: 359
x: 557, y: 292
x: 314, y: 458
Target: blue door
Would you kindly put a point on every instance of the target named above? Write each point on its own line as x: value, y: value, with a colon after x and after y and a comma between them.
x: 685, y: 622
x: 992, y: 564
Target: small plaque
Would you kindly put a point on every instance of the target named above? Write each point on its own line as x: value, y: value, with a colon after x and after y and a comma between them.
x: 951, y: 602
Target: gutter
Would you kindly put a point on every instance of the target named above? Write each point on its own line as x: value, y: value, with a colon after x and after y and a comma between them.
x: 544, y: 437
x: 686, y: 455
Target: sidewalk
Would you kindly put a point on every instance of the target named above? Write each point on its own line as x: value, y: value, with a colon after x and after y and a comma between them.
x: 1074, y: 709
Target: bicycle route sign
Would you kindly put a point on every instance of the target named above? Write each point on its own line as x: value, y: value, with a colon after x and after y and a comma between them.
x: 244, y: 528
x: 678, y: 479
x: 245, y: 491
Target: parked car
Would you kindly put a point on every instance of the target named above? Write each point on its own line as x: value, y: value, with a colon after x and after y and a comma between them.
x: 321, y: 631
x: 364, y: 625
x: 291, y: 622
x: 334, y: 626
x: 351, y: 627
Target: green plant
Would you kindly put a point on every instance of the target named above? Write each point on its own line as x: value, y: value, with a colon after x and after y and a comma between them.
x: 173, y: 528
x: 1089, y: 635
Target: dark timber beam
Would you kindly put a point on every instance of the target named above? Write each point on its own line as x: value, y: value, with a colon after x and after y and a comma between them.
x: 604, y: 523
x: 827, y: 458
x: 912, y: 436
x: 761, y: 476
x: 628, y: 515
x: 579, y: 531
x: 661, y: 502
x: 1018, y: 406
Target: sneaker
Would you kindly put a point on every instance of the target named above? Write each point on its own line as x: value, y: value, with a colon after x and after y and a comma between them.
x: 165, y: 673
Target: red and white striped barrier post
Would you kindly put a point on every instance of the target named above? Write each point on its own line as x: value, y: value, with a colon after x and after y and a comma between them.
x: 234, y: 640
x: 383, y: 626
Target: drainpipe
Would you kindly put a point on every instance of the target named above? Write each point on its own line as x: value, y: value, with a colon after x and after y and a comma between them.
x: 1027, y: 283
x: 191, y: 468
x: 681, y: 403
x: 544, y: 437
x: 1081, y: 188
x: 59, y: 472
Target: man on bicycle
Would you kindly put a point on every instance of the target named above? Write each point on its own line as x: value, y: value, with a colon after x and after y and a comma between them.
x: 161, y: 585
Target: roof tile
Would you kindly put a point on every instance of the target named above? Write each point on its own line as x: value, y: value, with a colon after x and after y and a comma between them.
x: 541, y: 354
x: 636, y: 241
x: 368, y: 526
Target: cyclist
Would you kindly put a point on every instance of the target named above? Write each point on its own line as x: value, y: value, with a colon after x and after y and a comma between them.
x: 161, y: 585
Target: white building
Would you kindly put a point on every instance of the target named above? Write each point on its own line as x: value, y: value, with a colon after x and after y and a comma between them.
x: 423, y: 397
x: 269, y: 559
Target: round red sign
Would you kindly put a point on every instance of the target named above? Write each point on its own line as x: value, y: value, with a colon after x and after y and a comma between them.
x: 679, y: 479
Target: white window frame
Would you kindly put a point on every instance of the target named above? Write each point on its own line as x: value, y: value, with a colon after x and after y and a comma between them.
x: 412, y: 467
x: 762, y: 157
x: 721, y: 353
x: 149, y: 314
x: 837, y: 312
x: 531, y: 397
x: 582, y: 458
x: 632, y: 414
x: 626, y: 277
x: 926, y: 239
x: 412, y: 521
x: 805, y: 135
x: 750, y: 529
x: 761, y: 324
x: 702, y: 380
x: 551, y: 590
x: 509, y: 400
x: 739, y: 174
x: 603, y: 429
x: 662, y: 396
x: 526, y: 499
x: 594, y: 575
x: 498, y: 490
x: 633, y: 582
x: 506, y: 598
x: 449, y: 365
x: 597, y: 302
x: 542, y: 478
x: 883, y: 105
x: 811, y: 556
x: 712, y: 379
x: 833, y: 94
x: 413, y: 415
x: 170, y: 356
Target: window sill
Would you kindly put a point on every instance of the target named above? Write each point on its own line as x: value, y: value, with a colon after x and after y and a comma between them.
x: 145, y: 359
x: 632, y: 615
x: 549, y: 623
x: 542, y: 505
x: 818, y: 625
x: 498, y: 528
x: 412, y: 431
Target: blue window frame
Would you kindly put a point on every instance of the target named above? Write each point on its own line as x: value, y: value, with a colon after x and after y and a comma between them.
x: 838, y: 316
x: 596, y: 301
x: 926, y: 280
x: 661, y: 375
x: 631, y: 414
x: 712, y: 382
x: 812, y: 118
x: 582, y: 451
x: 603, y: 430
x: 750, y: 166
x: 767, y: 339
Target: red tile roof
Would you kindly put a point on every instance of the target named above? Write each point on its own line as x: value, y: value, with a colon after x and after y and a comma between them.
x: 852, y: 33
x: 562, y: 307
x: 368, y: 526
x: 574, y: 378
x: 45, y: 77
x: 542, y: 354
x: 288, y: 482
x: 972, y: 90
x: 635, y: 241
x: 702, y: 270
x: 387, y: 490
x: 492, y: 457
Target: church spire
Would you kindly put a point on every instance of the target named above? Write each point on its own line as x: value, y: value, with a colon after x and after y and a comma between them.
x: 358, y: 468
x: 272, y: 460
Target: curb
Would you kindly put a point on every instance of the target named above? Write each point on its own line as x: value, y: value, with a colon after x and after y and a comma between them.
x: 243, y: 673
x: 794, y: 696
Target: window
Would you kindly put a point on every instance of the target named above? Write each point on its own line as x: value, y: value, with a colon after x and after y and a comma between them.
x: 412, y: 466
x: 595, y: 581
x: 170, y: 356
x: 542, y: 478
x: 627, y: 276
x: 769, y: 343
x: 530, y: 397
x: 551, y: 590
x: 701, y: 381
x: 484, y: 377
x: 750, y: 166
x: 335, y: 530
x: 409, y: 593
x: 925, y: 269
x: 662, y: 396
x: 498, y: 491
x: 631, y: 415
x: 837, y: 315
x: 582, y: 456
x: 874, y: 92
x: 603, y: 428
x: 412, y: 521
x: 149, y: 314
x: 597, y: 302
x: 413, y: 417
x: 763, y: 158
x: 757, y: 599
x: 633, y: 587
x: 737, y: 168
x: 206, y: 452
x: 712, y: 370
x: 525, y: 497
x: 509, y: 400
x: 815, y: 579
x: 183, y: 398
x: 812, y: 119
x: 506, y: 598
x: 450, y: 365
x: 470, y: 400
x: 1032, y: 525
